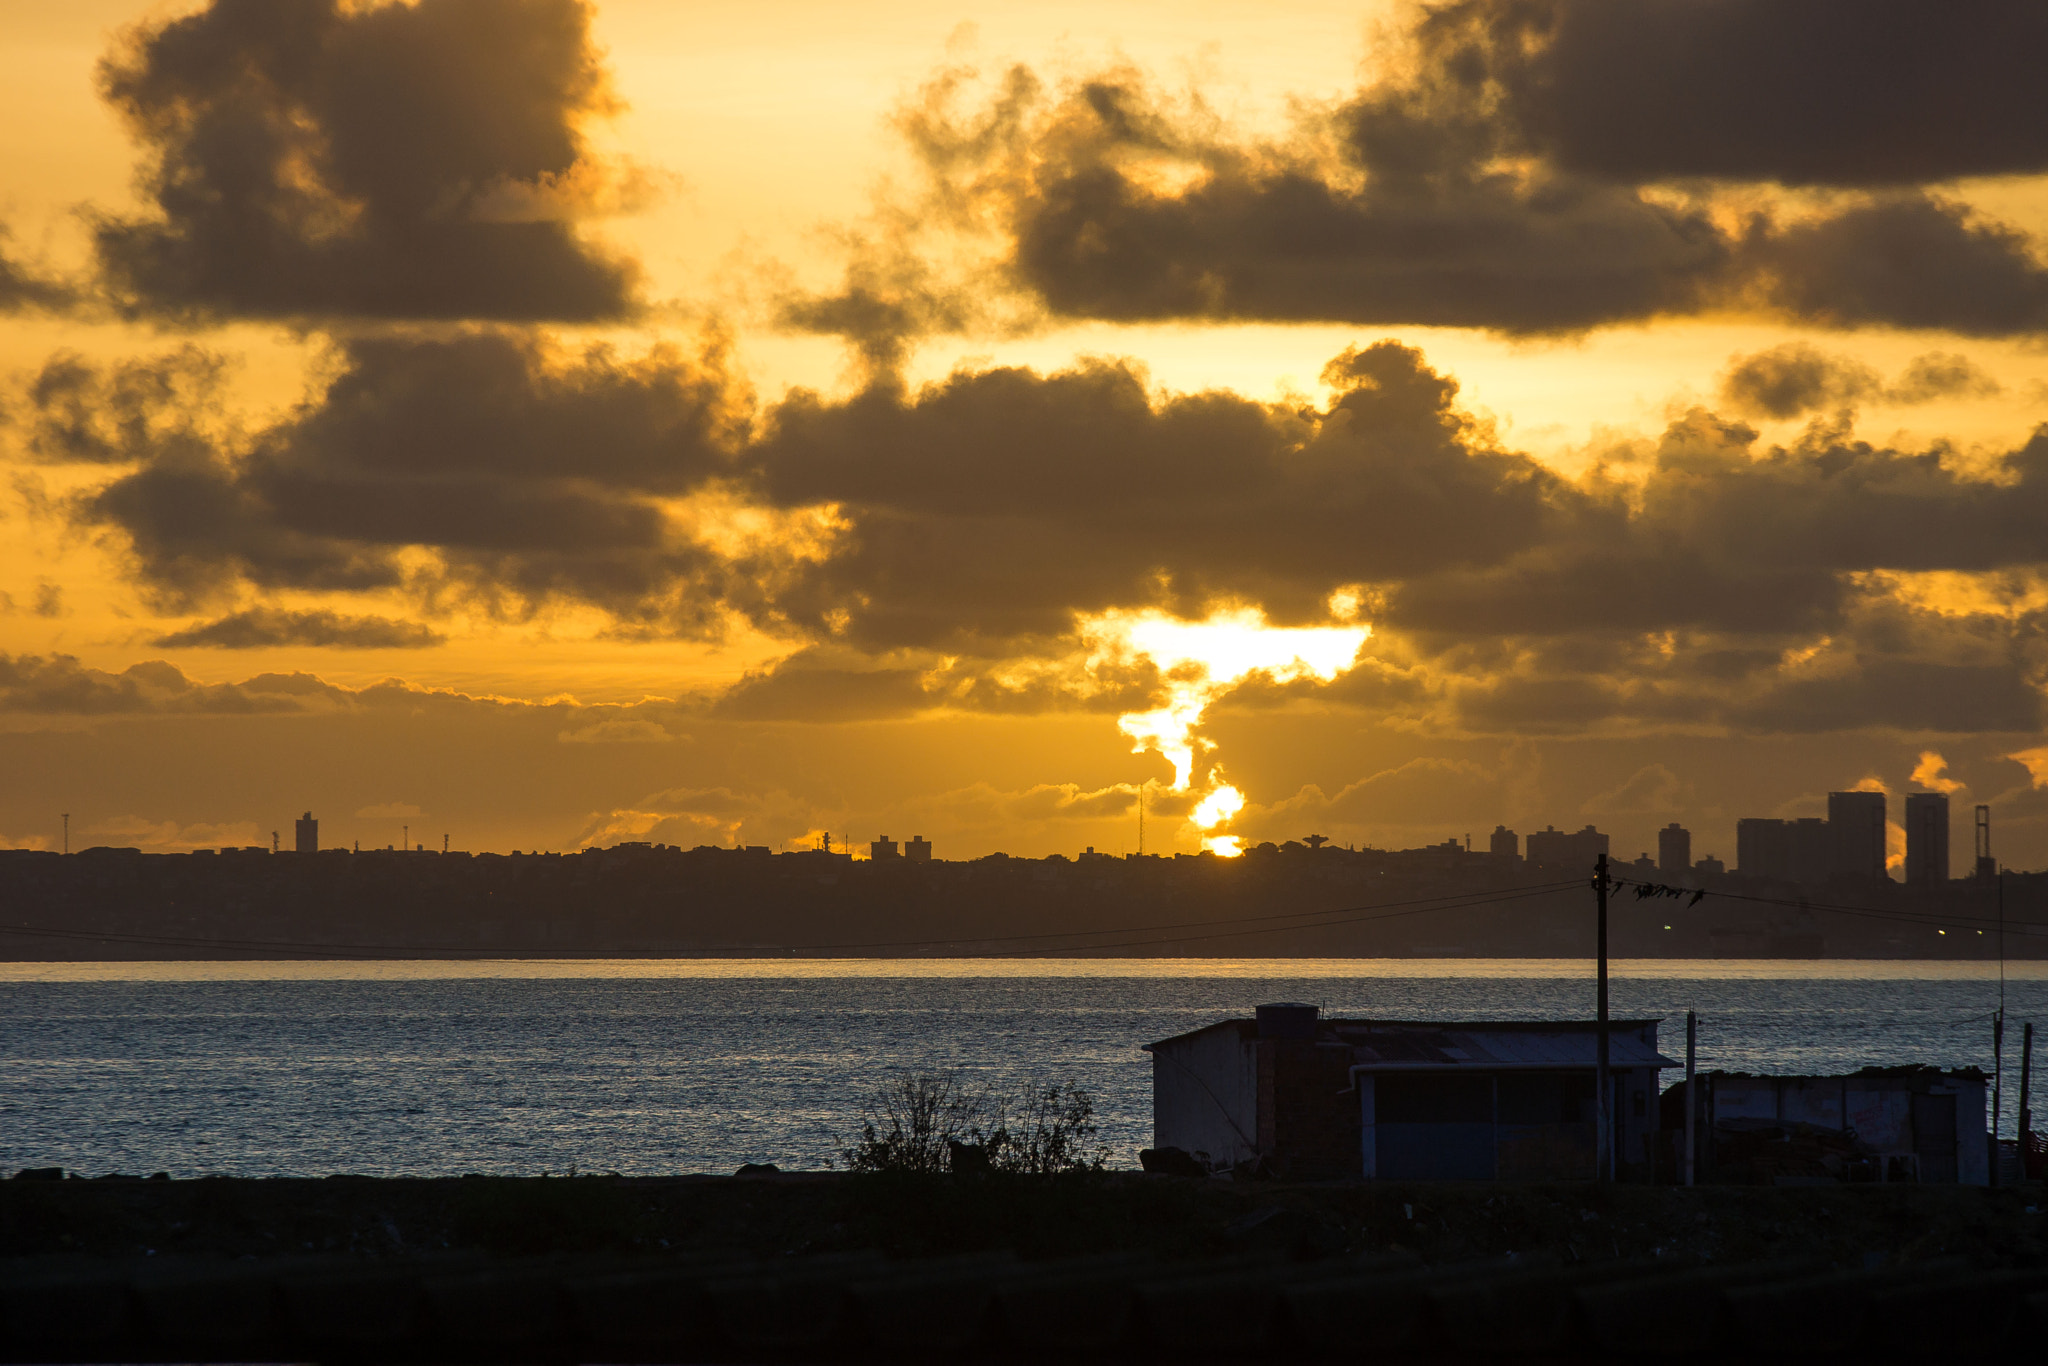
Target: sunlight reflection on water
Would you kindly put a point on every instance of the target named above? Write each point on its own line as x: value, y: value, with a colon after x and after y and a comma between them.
x: 649, y: 1066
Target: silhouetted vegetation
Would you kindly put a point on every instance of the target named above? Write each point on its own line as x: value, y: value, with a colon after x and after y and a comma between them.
x: 930, y: 1123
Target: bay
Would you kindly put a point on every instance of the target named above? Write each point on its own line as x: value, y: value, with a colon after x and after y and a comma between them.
x: 659, y: 1066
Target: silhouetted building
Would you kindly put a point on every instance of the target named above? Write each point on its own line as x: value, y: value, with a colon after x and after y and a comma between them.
x: 884, y: 848
x: 1313, y: 1098
x: 1709, y: 867
x: 1799, y: 850
x: 1856, y: 820
x: 1554, y: 848
x: 918, y: 850
x: 1504, y: 842
x: 1674, y: 850
x: 1926, y: 839
x: 308, y: 831
x: 1987, y: 866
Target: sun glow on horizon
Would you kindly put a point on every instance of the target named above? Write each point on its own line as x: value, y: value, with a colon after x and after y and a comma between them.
x: 1201, y: 661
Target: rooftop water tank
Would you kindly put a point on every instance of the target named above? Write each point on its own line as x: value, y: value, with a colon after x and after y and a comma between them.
x: 1287, y: 1020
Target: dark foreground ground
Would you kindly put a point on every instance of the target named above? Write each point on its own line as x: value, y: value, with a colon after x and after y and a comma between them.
x: 1121, y: 1267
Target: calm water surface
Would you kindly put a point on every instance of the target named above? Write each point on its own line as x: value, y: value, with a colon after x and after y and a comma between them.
x: 262, y: 1069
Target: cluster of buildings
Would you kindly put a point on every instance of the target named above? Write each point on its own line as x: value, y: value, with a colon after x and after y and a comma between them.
x: 1851, y: 843
x: 1294, y: 1094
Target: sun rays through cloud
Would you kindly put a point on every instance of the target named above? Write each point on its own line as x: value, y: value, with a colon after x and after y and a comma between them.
x: 1199, y: 662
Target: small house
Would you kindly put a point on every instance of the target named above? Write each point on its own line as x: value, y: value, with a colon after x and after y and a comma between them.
x: 1880, y: 1124
x: 1309, y: 1098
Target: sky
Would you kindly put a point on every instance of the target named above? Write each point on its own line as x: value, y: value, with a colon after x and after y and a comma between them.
x: 541, y: 424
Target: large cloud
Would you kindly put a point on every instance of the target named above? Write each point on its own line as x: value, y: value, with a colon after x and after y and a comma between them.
x: 261, y: 628
x: 1827, y: 92
x: 530, y: 474
x: 942, y: 547
x: 315, y: 158
x: 1467, y: 186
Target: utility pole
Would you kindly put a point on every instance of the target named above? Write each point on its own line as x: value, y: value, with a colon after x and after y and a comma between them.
x: 67, y: 832
x: 1997, y: 1085
x: 1998, y: 1035
x: 1604, y: 1161
x: 2026, y: 1091
x: 1141, y: 820
x: 1692, y: 1097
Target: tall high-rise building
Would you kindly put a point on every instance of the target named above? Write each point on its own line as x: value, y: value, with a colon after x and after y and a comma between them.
x: 1576, y: 850
x: 1505, y: 843
x: 308, y: 832
x: 1856, y: 826
x: 1926, y: 839
x: 1761, y: 847
x: 918, y: 849
x: 884, y: 848
x: 1674, y: 850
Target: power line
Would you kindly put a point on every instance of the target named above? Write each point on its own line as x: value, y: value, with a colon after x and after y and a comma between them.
x: 1931, y: 919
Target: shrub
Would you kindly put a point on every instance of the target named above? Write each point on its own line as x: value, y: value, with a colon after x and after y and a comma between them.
x: 912, y: 1122
x: 932, y: 1123
x: 1050, y: 1129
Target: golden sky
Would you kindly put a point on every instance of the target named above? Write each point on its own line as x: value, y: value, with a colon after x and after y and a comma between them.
x: 551, y: 423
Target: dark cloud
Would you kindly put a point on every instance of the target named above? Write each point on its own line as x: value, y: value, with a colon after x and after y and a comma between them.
x: 164, y: 409
x: 59, y: 685
x: 1822, y: 92
x: 532, y: 474
x: 1412, y: 223
x: 935, y: 548
x: 1900, y: 261
x: 1444, y: 194
x: 24, y: 289
x: 266, y: 628
x: 1722, y: 536
x: 1941, y: 374
x: 806, y: 689
x: 1797, y: 377
x: 990, y: 507
x: 312, y: 158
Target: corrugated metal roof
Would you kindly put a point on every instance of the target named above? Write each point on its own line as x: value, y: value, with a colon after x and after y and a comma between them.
x: 1395, y: 1047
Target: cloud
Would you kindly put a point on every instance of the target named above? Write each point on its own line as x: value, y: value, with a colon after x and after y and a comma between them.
x: 390, y: 811
x: 1422, y: 792
x: 1931, y: 773
x: 59, y: 685
x: 621, y: 730
x: 531, y: 473
x: 24, y: 289
x: 1797, y: 377
x: 1652, y: 789
x: 1826, y: 92
x: 691, y: 816
x: 939, y: 547
x: 1447, y: 194
x: 165, y: 408
x: 418, y: 160
x: 261, y: 628
x: 1941, y: 374
x: 168, y: 836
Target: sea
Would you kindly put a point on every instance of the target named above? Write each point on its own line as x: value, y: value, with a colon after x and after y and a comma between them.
x: 648, y: 1067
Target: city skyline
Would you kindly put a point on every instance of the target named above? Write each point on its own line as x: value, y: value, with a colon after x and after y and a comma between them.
x: 1856, y: 839
x: 568, y: 422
